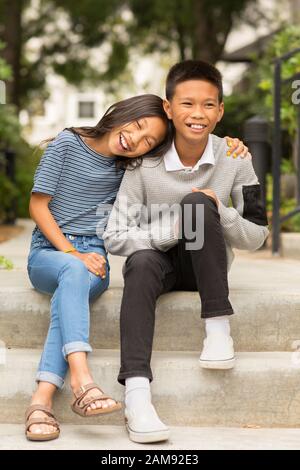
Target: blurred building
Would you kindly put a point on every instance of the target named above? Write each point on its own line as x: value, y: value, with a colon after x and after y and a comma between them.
x: 66, y: 106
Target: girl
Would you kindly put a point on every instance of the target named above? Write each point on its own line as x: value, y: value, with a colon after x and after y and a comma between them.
x: 80, y: 172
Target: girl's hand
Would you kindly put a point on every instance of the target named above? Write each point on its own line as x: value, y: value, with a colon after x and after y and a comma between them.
x: 94, y: 262
x: 237, y: 148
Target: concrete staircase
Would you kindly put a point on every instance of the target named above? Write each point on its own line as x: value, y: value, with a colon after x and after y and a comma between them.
x: 262, y: 391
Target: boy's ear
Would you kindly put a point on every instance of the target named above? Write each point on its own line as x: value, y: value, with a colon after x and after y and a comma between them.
x: 221, y: 111
x: 167, y: 108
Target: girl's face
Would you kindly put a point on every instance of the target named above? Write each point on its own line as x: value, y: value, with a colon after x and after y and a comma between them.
x: 137, y: 138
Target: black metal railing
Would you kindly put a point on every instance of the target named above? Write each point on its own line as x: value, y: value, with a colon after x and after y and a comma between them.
x: 277, y: 151
x: 257, y: 136
x: 7, y: 168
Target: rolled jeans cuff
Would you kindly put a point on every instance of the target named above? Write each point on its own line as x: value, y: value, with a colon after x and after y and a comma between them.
x: 76, y: 346
x: 45, y: 376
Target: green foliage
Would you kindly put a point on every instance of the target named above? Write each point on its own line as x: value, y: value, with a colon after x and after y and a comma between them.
x: 256, y: 97
x: 25, y: 163
x: 286, y: 206
x: 8, y: 191
x: 6, y: 263
x: 256, y: 92
x: 285, y: 41
x: 66, y: 31
x: 238, y: 108
x: 292, y: 224
x: 287, y: 167
x: 197, y: 29
x: 118, y: 59
x: 5, y: 70
x: 10, y: 138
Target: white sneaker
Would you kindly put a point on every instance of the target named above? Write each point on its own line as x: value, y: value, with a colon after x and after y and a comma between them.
x: 145, y: 426
x: 218, y: 352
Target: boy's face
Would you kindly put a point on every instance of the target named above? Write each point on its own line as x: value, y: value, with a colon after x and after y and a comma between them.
x: 195, y: 110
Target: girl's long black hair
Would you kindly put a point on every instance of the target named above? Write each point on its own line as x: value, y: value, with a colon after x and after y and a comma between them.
x: 124, y: 112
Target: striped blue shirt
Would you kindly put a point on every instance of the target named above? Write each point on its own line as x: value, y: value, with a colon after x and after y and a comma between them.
x: 83, y: 184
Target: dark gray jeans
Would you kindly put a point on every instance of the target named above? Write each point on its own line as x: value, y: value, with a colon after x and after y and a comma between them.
x: 150, y: 273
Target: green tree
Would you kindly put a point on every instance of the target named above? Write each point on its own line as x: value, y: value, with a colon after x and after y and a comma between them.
x: 260, y: 82
x: 254, y: 95
x: 285, y: 41
x: 197, y: 28
x: 58, y: 36
x: 10, y: 138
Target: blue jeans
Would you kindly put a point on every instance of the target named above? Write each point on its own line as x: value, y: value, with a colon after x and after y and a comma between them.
x: 72, y: 287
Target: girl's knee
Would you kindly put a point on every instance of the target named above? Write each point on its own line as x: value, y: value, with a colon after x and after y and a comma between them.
x: 75, y: 268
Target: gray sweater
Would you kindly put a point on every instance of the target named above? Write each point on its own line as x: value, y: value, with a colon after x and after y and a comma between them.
x: 130, y: 228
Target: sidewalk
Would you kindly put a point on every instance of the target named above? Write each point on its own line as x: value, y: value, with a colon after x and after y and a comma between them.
x: 87, y: 437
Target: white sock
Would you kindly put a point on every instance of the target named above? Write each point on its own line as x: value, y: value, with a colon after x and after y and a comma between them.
x: 137, y: 392
x: 217, y: 325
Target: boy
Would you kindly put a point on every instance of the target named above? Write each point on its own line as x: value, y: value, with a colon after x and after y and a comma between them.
x: 186, y: 249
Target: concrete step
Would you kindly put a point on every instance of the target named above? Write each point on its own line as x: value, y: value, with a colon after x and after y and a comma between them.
x: 290, y: 245
x: 265, y: 320
x: 264, y: 291
x: 263, y: 389
x: 85, y: 437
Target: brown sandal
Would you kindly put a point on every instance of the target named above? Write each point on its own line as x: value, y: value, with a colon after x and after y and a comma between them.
x: 80, y: 407
x: 32, y: 436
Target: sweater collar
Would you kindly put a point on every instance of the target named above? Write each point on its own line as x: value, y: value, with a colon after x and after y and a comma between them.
x: 173, y: 162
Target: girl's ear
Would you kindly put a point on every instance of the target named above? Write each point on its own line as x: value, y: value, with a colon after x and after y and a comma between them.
x: 167, y: 108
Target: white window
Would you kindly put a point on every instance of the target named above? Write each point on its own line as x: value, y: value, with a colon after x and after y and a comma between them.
x: 86, y: 109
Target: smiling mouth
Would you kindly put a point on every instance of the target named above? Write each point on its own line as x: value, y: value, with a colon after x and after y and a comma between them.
x: 123, y: 142
x: 198, y: 127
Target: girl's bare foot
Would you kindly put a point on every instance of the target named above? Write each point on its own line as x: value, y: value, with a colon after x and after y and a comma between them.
x: 93, y: 393
x: 43, y: 396
x: 80, y: 376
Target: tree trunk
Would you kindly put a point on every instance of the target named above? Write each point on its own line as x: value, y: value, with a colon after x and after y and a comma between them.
x: 181, y: 42
x: 12, y: 36
x: 210, y: 34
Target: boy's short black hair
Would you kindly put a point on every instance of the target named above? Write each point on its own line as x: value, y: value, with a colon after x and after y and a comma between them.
x: 193, y: 70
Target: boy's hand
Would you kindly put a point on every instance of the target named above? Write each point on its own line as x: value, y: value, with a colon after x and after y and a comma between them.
x: 237, y: 148
x: 208, y: 192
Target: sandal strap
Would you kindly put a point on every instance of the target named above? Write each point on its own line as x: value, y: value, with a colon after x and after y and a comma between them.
x: 85, y: 405
x: 44, y: 409
x: 48, y: 421
x: 82, y: 391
